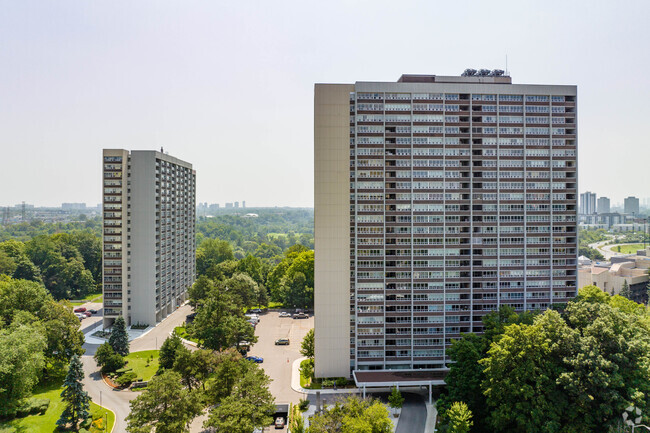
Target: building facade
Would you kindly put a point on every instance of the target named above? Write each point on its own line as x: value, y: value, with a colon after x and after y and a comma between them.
x: 631, y: 206
x: 437, y: 199
x: 588, y: 203
x: 603, y: 205
x: 149, y: 216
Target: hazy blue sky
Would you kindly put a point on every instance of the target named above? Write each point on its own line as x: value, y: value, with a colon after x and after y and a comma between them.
x: 228, y: 85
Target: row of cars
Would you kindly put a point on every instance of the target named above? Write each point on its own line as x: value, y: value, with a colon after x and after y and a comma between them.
x: 82, y: 312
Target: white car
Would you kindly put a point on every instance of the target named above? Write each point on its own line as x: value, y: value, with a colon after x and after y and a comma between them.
x: 285, y: 314
x: 81, y: 316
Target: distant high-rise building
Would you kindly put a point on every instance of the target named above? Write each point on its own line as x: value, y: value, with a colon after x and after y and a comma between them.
x: 243, y: 203
x: 214, y: 206
x: 149, y: 254
x: 631, y: 205
x: 588, y: 203
x: 228, y: 205
x: 73, y: 206
x: 437, y: 199
x: 603, y: 205
x: 237, y: 204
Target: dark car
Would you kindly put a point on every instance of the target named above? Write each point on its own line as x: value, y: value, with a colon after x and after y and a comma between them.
x: 282, y: 342
x: 80, y: 310
x: 255, y: 310
x: 256, y: 359
x: 93, y: 311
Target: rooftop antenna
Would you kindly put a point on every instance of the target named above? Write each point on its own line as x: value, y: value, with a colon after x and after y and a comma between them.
x: 507, y: 73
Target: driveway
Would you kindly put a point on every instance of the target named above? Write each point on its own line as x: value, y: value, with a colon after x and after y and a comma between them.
x: 414, y: 415
x: 118, y: 401
x: 100, y: 393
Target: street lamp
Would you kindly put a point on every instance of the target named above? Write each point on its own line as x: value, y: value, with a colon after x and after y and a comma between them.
x: 631, y: 410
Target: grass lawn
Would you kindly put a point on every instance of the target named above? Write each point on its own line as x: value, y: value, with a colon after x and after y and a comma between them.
x: 97, y: 297
x: 305, y: 381
x: 629, y: 248
x: 47, y: 423
x: 182, y: 332
x: 137, y: 361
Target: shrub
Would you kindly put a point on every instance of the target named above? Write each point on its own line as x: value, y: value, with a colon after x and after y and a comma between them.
x: 33, y: 406
x: 341, y: 381
x: 304, y: 404
x: 87, y: 423
x: 113, y: 363
x: 328, y: 382
x: 126, y: 378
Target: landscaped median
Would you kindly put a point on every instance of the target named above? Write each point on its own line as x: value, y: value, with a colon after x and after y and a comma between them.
x: 139, y: 367
x: 46, y: 423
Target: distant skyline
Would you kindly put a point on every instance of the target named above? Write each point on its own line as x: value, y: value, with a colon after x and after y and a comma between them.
x: 228, y: 86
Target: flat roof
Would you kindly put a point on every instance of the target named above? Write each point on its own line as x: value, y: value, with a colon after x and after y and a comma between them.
x: 382, y: 378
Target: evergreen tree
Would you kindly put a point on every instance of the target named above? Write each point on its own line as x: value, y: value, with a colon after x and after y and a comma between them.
x: 119, y: 339
x: 76, y: 399
x: 625, y: 290
x: 168, y: 351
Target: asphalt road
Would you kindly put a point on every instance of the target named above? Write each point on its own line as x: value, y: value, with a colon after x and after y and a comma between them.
x: 414, y: 415
x: 118, y: 401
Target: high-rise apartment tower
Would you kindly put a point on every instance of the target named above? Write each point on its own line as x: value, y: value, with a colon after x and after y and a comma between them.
x: 588, y: 203
x: 603, y: 205
x: 437, y: 199
x: 149, y: 254
x: 631, y: 205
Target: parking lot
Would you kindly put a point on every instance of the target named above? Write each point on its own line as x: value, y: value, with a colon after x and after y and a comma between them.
x: 279, y: 359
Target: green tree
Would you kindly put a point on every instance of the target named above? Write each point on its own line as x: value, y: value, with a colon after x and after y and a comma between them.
x: 229, y: 369
x: 249, y: 405
x: 7, y: 264
x: 210, y: 253
x: 77, y: 401
x: 297, y: 293
x: 243, y: 289
x: 395, y: 399
x: 195, y: 367
x: 119, y: 339
x: 21, y: 362
x: 64, y: 338
x: 460, y: 418
x: 625, y: 290
x: 307, y: 345
x: 220, y: 323
x: 107, y: 359
x: 530, y: 356
x: 200, y: 290
x: 168, y: 351
x: 466, y: 376
x: 352, y: 415
x: 164, y: 407
x: 21, y: 295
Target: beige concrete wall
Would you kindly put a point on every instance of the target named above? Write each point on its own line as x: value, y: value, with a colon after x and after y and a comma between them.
x: 332, y: 229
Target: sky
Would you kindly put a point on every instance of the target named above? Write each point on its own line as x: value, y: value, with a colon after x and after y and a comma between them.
x: 228, y: 85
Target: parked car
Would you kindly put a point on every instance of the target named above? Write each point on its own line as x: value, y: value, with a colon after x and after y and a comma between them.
x: 256, y: 359
x: 255, y: 310
x: 300, y: 316
x: 87, y: 314
x: 80, y: 310
x: 285, y: 314
x: 93, y: 311
x: 279, y: 422
x: 81, y: 316
x: 282, y: 342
